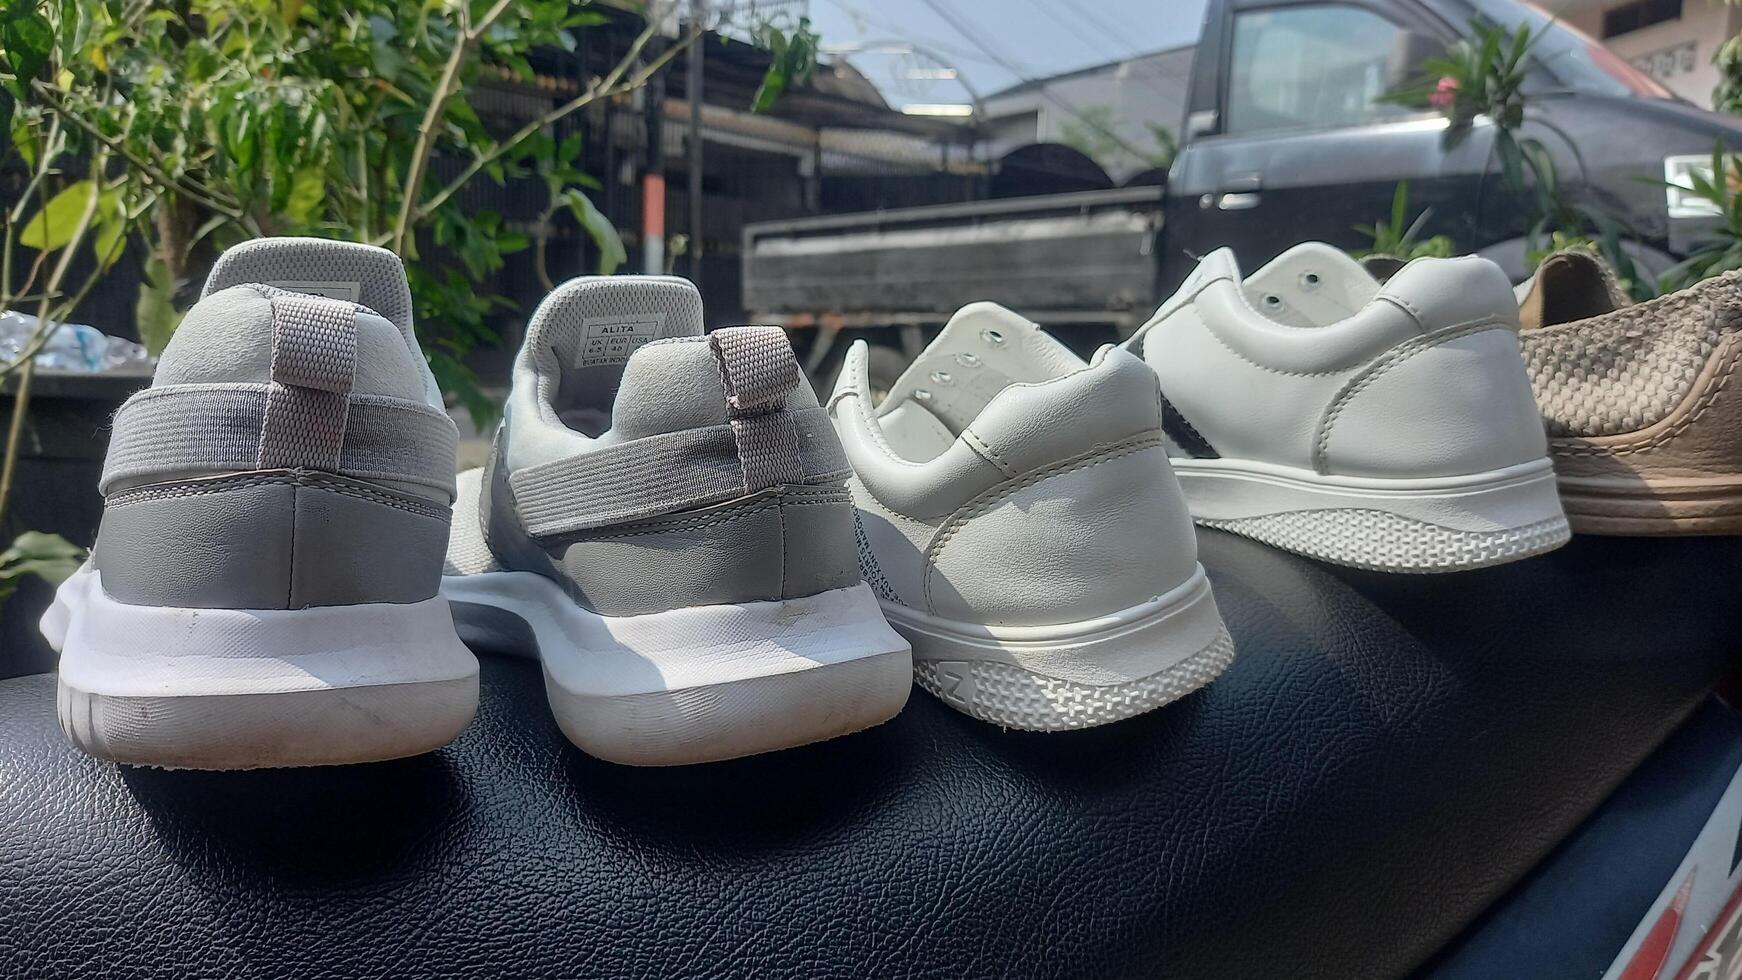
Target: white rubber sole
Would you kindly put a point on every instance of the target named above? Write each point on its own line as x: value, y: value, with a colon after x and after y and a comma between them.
x: 1421, y: 525
x: 257, y: 688
x: 702, y: 683
x: 1074, y: 675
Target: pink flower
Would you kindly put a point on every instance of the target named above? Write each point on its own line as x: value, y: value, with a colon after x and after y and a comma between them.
x: 1444, y: 94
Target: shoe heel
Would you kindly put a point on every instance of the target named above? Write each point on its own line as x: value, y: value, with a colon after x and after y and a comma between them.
x: 192, y: 688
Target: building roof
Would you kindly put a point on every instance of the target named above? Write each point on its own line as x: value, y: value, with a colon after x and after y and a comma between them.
x: 1032, y: 84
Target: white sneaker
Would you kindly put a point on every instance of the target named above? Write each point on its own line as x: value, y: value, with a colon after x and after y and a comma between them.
x: 663, y: 523
x: 1021, y: 526
x: 1389, y: 427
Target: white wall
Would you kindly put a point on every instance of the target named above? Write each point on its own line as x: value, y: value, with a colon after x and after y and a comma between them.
x: 1677, y: 53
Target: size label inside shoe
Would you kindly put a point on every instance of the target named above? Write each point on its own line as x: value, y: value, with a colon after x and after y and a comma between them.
x: 611, y: 339
x: 347, y: 291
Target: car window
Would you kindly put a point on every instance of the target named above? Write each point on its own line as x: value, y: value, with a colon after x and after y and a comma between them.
x: 1312, y: 67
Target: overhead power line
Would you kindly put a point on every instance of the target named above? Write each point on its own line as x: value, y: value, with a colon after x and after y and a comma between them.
x: 1095, y: 44
x: 968, y: 32
x: 1117, y: 36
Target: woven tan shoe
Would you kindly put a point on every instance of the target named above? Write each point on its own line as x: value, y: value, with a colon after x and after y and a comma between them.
x: 1643, y: 417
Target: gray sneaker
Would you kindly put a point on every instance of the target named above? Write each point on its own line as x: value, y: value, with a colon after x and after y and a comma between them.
x: 664, y: 523
x: 263, y: 590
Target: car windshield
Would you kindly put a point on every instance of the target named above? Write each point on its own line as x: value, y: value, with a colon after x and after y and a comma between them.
x: 1576, y: 61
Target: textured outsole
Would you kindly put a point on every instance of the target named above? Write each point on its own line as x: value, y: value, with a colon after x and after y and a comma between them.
x: 1012, y: 697
x: 1382, y: 541
x: 1064, y: 676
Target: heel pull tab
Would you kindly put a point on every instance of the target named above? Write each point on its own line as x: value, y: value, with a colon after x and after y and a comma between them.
x: 757, y: 371
x: 314, y: 363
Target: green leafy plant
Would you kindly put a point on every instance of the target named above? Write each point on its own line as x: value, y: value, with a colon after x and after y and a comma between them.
x: 1721, y: 250
x: 48, y: 556
x: 1398, y: 237
x: 793, y: 50
x: 177, y: 127
x: 1483, y: 77
x: 1091, y: 131
x: 1166, y: 145
x: 238, y: 118
x: 1727, y: 94
x: 71, y: 204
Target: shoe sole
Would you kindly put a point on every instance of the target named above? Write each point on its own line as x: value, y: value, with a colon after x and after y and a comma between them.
x: 183, y: 688
x: 1073, y: 675
x: 1677, y: 476
x: 695, y: 684
x: 1653, y: 507
x: 1417, y: 525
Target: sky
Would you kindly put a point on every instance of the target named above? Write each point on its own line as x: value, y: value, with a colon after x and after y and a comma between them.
x: 906, y: 46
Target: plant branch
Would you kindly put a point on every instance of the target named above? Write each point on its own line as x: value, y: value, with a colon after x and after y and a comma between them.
x: 464, y: 43
x: 612, y: 84
x: 425, y: 145
x: 45, y: 327
x: 40, y: 338
x: 199, y: 196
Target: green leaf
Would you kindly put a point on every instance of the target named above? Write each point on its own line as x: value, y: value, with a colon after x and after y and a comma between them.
x: 109, y: 229
x: 47, y: 555
x: 458, y: 380
x: 155, y: 314
x: 24, y: 140
x: 27, y: 40
x: 52, y: 227
x: 307, y: 190
x: 599, y: 228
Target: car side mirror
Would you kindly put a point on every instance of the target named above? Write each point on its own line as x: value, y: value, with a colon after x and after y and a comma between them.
x: 1408, y: 51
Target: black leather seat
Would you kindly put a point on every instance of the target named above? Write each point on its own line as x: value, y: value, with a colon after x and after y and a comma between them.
x: 1386, y: 757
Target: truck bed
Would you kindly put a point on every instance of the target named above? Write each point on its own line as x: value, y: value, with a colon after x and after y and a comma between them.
x: 1083, y: 257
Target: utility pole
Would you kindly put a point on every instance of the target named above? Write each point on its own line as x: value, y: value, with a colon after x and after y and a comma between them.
x: 653, y: 178
x: 693, y: 95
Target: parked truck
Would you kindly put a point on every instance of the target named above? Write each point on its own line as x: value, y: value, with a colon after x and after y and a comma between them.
x: 1287, y: 138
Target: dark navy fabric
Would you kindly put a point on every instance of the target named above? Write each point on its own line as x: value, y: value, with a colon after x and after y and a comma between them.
x: 1573, y: 914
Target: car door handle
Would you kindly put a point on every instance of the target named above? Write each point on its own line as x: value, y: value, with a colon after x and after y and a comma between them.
x: 1239, y: 192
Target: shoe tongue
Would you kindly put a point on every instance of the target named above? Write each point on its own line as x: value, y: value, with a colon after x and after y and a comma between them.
x: 984, y: 349
x: 363, y: 274
x: 584, y: 332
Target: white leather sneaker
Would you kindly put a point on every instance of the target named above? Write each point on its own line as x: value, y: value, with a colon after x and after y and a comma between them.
x: 1390, y: 427
x: 1019, y: 522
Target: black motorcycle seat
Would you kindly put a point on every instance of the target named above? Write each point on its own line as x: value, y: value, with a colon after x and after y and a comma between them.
x: 1386, y: 757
